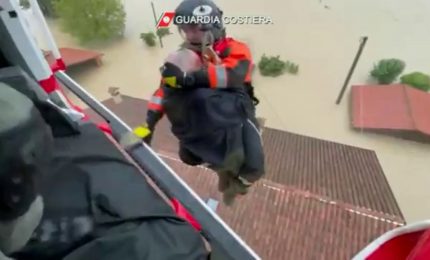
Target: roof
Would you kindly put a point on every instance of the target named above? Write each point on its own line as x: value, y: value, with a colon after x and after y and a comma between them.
x: 319, y: 199
x: 283, y: 222
x: 73, y: 56
x: 391, y: 107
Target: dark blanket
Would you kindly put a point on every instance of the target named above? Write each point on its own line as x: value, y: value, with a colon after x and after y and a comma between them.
x: 99, y: 206
x: 210, y: 124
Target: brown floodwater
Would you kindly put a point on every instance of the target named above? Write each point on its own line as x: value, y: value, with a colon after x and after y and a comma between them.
x: 322, y: 36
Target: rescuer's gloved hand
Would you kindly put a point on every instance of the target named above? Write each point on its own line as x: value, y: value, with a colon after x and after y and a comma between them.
x: 209, y: 55
x: 144, y: 132
x: 232, y: 186
x: 131, y: 139
x: 174, y: 77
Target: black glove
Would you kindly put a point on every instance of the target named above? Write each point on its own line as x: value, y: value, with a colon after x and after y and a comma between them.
x: 148, y: 138
x: 152, y: 118
x: 250, y: 90
x: 174, y: 77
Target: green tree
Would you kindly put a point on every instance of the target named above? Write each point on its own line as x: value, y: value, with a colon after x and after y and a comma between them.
x: 161, y: 32
x: 417, y: 80
x: 273, y: 66
x: 94, y: 20
x: 386, y: 71
x: 148, y: 38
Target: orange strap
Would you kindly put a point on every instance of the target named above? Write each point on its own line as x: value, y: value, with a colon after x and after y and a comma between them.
x: 217, y: 76
x: 156, y: 101
x: 218, y: 73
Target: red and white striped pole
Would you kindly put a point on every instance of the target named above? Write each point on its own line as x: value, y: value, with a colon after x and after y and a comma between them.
x: 58, y: 65
x: 52, y: 45
x: 32, y: 55
x: 34, y: 59
x: 50, y: 84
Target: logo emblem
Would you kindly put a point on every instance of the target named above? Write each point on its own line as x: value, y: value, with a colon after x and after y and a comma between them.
x: 202, y: 10
x: 165, y: 19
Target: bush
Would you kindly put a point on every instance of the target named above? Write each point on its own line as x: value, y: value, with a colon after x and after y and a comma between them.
x: 148, y: 38
x: 95, y: 20
x: 161, y: 32
x: 417, y: 80
x: 387, y: 70
x: 292, y: 67
x: 273, y: 66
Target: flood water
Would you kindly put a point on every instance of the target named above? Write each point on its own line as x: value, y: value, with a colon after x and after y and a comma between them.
x: 322, y: 36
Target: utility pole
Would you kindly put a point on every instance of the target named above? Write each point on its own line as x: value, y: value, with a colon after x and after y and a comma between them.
x: 351, y: 70
x: 156, y: 22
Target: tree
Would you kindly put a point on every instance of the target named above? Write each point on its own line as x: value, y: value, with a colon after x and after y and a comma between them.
x: 161, y: 32
x: 273, y: 66
x: 148, y: 38
x: 417, y: 80
x: 95, y: 20
x: 386, y: 71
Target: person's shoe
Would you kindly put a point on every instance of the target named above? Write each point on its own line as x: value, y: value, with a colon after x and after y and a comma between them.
x: 228, y: 198
x: 234, y: 191
x: 231, y: 188
x: 223, y: 181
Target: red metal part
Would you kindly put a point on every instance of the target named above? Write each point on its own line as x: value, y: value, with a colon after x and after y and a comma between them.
x: 183, y: 213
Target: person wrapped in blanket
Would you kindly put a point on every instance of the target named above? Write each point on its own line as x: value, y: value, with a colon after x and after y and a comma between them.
x: 207, y: 94
x: 59, y: 183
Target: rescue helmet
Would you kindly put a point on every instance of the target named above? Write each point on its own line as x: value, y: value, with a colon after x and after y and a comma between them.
x: 26, y: 149
x: 199, y: 22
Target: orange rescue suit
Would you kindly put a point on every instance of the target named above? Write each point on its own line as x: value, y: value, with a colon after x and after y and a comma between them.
x: 234, y: 71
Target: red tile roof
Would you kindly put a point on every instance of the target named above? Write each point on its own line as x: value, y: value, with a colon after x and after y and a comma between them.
x: 73, y: 56
x: 281, y: 222
x: 391, y: 107
x: 341, y: 172
x: 318, y: 200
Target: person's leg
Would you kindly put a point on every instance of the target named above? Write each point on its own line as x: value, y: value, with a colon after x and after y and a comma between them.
x: 254, y: 166
x: 188, y: 157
